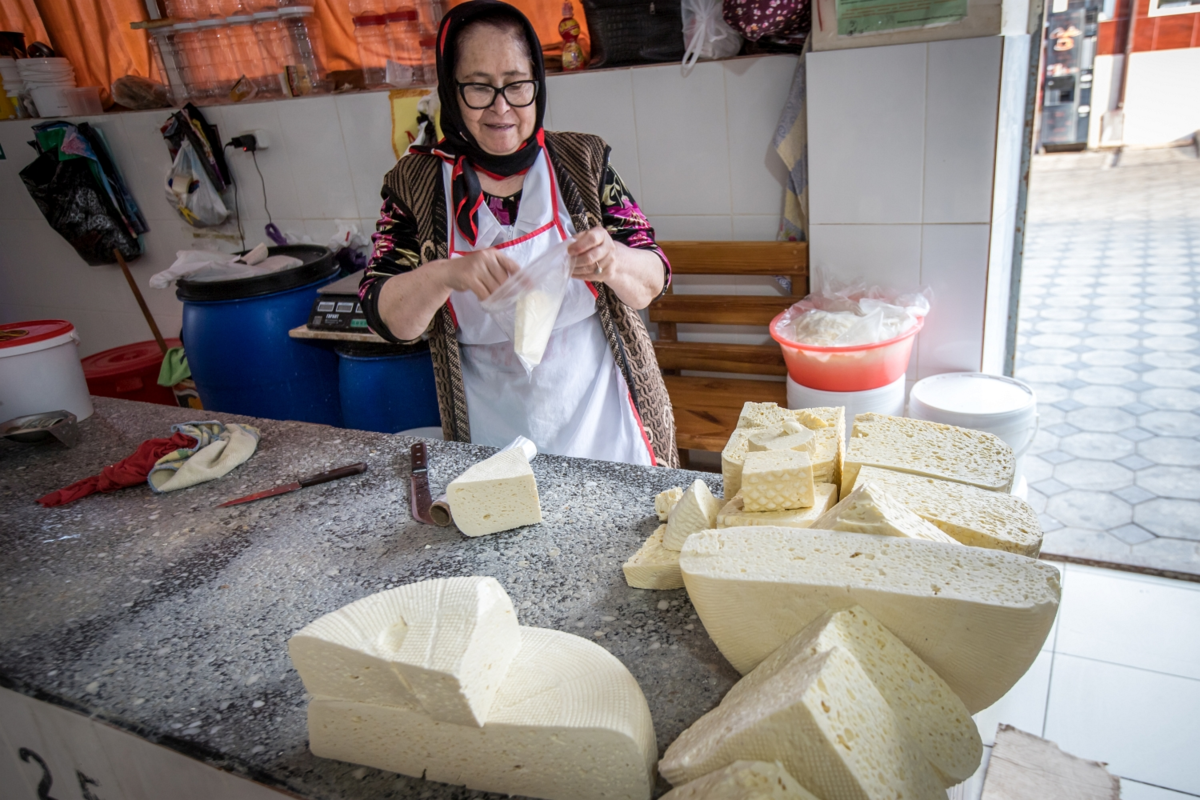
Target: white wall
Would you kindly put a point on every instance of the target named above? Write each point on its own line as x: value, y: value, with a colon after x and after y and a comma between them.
x: 695, y: 152
x: 902, y: 144
x: 1162, y: 99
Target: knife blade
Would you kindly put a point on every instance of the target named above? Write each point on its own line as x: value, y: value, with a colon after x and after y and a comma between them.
x: 419, y: 496
x: 311, y: 480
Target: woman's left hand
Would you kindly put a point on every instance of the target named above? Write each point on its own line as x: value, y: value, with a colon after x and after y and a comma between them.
x: 596, y: 256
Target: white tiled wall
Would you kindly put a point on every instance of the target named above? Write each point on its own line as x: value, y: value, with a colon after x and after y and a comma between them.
x: 695, y: 151
x: 902, y: 147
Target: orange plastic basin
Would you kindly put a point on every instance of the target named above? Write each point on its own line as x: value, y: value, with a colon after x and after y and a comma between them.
x: 847, y: 369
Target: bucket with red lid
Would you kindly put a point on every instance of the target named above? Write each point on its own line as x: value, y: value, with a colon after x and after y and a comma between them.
x: 130, y: 372
x: 40, y: 370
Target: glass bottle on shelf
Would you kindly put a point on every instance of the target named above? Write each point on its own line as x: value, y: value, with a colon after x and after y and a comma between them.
x: 569, y: 30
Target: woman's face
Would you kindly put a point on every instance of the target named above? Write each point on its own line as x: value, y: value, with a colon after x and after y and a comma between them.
x: 491, y: 55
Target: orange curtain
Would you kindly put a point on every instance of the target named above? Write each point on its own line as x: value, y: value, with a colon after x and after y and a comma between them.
x: 22, y: 15
x: 96, y: 37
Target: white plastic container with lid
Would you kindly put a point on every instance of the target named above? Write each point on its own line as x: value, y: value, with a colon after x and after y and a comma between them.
x: 40, y: 370
x: 995, y: 404
x: 888, y: 399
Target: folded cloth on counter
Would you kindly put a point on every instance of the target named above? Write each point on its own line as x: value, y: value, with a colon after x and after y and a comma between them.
x: 174, y: 367
x: 218, y: 449
x: 129, y: 471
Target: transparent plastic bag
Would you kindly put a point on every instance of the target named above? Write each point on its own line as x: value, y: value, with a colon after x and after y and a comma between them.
x: 853, y: 314
x: 526, y: 305
x: 706, y: 32
x: 191, y: 192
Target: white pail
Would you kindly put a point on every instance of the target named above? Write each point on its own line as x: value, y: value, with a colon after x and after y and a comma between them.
x: 887, y: 399
x: 40, y: 370
x: 1002, y: 406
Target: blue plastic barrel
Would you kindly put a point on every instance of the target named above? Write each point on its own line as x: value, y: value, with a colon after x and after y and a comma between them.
x: 239, y: 351
x: 387, y: 389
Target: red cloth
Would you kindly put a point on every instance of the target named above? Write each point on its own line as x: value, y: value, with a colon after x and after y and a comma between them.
x: 126, y: 472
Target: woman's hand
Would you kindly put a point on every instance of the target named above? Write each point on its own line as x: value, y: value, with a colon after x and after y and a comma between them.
x: 635, y: 275
x: 480, y: 272
x: 596, y: 256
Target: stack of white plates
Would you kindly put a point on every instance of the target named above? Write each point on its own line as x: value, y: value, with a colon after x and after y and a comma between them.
x: 44, y: 79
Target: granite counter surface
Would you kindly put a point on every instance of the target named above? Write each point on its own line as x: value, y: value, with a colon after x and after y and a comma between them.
x: 169, y: 617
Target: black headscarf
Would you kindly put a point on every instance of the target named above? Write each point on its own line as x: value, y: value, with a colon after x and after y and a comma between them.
x: 458, y: 146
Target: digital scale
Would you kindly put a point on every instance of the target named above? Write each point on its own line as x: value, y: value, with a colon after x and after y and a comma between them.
x: 336, y: 307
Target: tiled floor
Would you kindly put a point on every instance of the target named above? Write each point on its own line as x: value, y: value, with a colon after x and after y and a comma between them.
x: 1118, y: 681
x: 1108, y: 337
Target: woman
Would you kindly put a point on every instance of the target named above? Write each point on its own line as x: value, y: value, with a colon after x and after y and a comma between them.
x: 460, y: 216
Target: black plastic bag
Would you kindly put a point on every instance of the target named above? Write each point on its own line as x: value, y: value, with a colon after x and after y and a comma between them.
x: 624, y: 32
x: 77, y: 208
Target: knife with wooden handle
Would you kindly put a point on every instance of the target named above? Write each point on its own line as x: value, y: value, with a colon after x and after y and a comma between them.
x: 419, y: 496
x: 311, y: 480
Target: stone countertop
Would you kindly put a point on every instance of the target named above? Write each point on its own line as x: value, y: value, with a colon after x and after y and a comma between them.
x: 170, y: 618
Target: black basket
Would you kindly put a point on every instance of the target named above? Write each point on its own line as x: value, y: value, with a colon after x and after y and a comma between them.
x: 638, y: 32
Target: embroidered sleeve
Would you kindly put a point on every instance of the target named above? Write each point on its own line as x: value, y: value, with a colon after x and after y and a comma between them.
x: 395, y: 251
x: 625, y: 221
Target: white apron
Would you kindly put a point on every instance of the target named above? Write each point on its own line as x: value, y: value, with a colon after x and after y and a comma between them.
x: 576, y: 402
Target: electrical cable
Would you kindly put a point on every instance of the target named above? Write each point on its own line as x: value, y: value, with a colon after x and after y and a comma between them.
x: 254, y: 156
x: 236, y: 207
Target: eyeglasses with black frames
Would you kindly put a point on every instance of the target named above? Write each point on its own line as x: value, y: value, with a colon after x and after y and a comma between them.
x: 479, y: 96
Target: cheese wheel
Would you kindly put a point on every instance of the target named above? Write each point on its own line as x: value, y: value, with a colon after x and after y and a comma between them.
x: 743, y: 780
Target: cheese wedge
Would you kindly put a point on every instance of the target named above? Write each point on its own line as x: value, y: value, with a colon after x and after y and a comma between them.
x: 732, y: 457
x: 735, y: 515
x: 869, y: 509
x: 443, y: 646
x: 824, y: 720
x: 977, y: 617
x: 654, y: 566
x: 826, y: 448
x: 665, y: 501
x: 930, y: 449
x: 743, y: 780
x: 695, y: 511
x: 569, y: 723
x: 495, y: 495
x: 930, y: 713
x: 777, y: 480
x: 971, y: 515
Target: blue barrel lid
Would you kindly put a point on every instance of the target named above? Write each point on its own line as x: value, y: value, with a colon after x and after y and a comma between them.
x: 318, y: 264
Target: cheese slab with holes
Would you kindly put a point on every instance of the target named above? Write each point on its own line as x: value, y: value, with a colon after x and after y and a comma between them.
x: 735, y: 515
x: 743, y: 780
x: 497, y: 494
x: 931, y: 449
x: 782, y: 437
x: 971, y: 515
x: 695, y: 511
x: 569, y: 723
x: 654, y: 566
x: 870, y: 509
x: 777, y: 480
x: 977, y: 617
x: 823, y: 719
x: 665, y: 501
x: 443, y: 646
x: 826, y: 448
x: 930, y: 713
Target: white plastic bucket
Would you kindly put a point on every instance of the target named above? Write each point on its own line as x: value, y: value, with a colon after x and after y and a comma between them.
x: 887, y: 399
x: 40, y: 370
x: 1002, y: 406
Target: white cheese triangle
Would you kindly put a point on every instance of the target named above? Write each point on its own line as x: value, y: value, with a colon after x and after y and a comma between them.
x: 654, y: 566
x: 695, y: 511
x: 971, y: 515
x: 569, y: 723
x: 930, y: 713
x: 443, y: 646
x: 869, y: 509
x: 977, y: 617
x: 743, y: 780
x: 824, y: 720
x: 735, y: 515
x: 497, y: 494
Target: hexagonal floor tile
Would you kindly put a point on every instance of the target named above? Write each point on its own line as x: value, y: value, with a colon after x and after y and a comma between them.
x: 1174, y: 519
x: 1169, y: 378
x: 1101, y: 420
x: 1092, y: 510
x: 1085, y: 543
x: 1171, y: 328
x: 1171, y: 450
x: 1100, y: 476
x: 1098, y: 446
x: 1171, y: 423
x: 1132, y: 534
x: 1173, y: 360
x: 1171, y: 399
x: 1114, y: 396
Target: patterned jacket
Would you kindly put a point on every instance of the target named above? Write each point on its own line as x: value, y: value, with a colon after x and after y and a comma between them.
x: 580, y: 162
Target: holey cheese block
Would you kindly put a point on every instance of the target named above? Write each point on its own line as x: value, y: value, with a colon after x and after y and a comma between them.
x: 824, y: 720
x: 442, y: 645
x: 569, y: 723
x: 971, y: 515
x: 654, y: 566
x: 825, y: 448
x: 695, y: 511
x: 743, y: 780
x: 665, y: 501
x: 497, y: 494
x: 928, y: 448
x: 977, y: 617
x: 869, y: 509
x: 930, y: 713
x: 777, y: 480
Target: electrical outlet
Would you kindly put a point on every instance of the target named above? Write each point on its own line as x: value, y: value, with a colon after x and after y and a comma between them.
x: 261, y: 142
